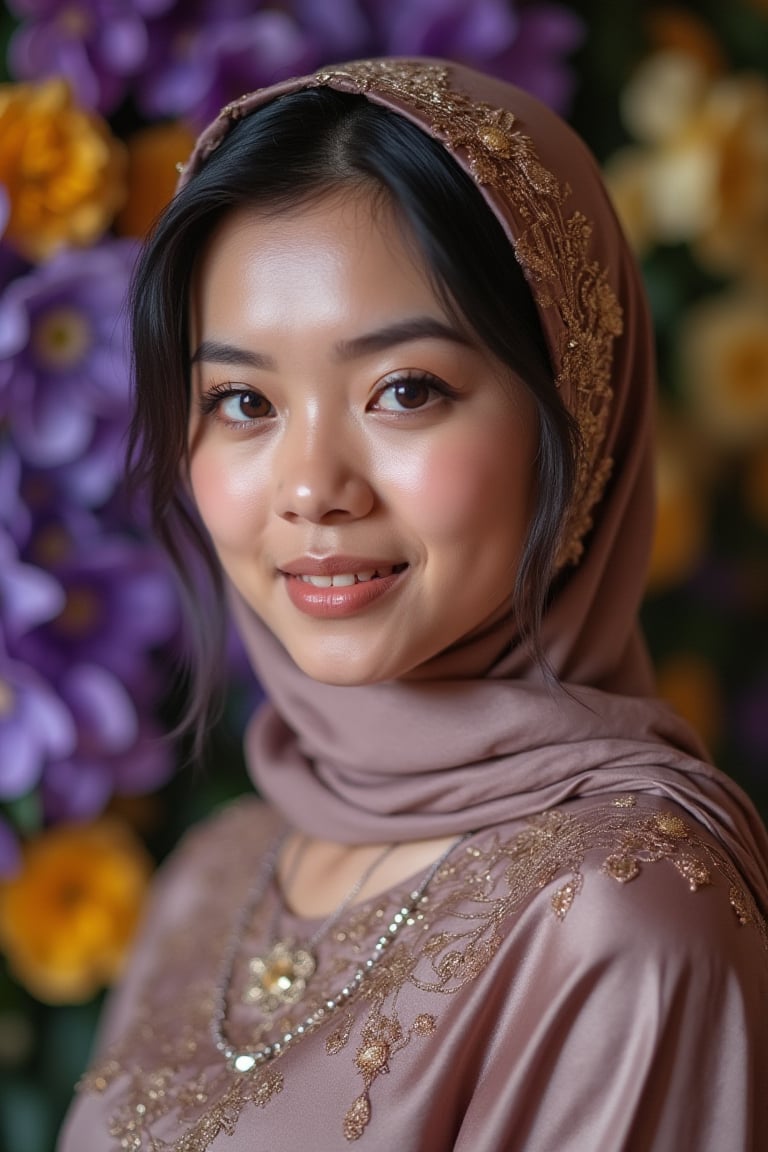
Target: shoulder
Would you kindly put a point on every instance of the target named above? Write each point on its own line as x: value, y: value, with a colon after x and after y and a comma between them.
x: 633, y: 878
x: 217, y: 854
x: 629, y: 920
x: 245, y: 819
x: 231, y: 839
x: 210, y: 870
x: 627, y: 972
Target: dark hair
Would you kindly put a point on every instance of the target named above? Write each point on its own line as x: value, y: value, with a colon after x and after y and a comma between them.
x: 279, y: 156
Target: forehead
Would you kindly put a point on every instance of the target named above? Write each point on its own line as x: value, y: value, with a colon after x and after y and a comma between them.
x: 347, y: 251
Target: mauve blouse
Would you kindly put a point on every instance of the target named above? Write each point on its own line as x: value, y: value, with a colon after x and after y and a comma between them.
x: 592, y: 980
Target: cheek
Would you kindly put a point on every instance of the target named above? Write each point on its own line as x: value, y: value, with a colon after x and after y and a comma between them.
x: 467, y: 487
x: 230, y: 497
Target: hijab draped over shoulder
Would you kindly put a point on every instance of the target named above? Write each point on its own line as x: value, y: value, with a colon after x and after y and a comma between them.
x: 486, y: 738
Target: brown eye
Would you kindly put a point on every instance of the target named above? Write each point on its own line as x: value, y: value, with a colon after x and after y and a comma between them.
x: 253, y: 405
x: 408, y: 394
x: 236, y: 407
x: 412, y: 393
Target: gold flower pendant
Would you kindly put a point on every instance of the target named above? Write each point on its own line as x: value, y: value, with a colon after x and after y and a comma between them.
x: 280, y: 977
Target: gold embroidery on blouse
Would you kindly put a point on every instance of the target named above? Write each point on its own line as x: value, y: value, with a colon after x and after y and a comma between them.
x: 164, y: 1074
x: 672, y: 825
x: 563, y: 897
x: 621, y: 868
x: 740, y: 904
x: 661, y: 837
x: 424, y: 1024
x: 552, y: 247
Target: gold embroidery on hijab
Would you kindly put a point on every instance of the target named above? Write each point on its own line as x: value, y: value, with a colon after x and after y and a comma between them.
x: 552, y: 249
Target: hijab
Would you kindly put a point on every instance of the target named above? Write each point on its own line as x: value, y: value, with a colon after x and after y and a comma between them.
x: 486, y: 738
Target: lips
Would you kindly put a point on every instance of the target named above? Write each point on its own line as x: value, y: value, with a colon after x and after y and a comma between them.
x: 337, y: 586
x: 347, y: 579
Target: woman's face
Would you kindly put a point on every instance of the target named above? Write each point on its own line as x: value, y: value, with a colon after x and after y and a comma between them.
x: 363, y: 466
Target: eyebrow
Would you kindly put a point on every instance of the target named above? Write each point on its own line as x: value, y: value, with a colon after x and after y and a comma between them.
x: 216, y: 352
x: 419, y: 328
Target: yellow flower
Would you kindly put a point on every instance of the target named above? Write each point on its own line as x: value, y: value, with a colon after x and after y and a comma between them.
x: 733, y: 129
x: 659, y: 191
x: 691, y: 686
x: 675, y: 29
x: 153, y: 154
x: 702, y: 176
x: 67, y: 919
x: 724, y: 362
x: 64, y: 171
x: 626, y: 176
x: 662, y: 95
x: 681, y: 528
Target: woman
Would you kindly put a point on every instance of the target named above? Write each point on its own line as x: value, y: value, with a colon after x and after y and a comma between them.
x: 394, y: 384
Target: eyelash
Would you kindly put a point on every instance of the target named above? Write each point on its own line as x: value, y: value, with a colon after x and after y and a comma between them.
x: 210, y: 402
x: 434, y: 383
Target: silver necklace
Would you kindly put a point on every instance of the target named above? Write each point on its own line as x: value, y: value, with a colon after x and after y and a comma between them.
x: 279, y: 977
x: 294, y: 963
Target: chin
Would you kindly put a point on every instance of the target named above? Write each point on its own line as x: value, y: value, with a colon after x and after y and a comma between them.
x: 345, y: 670
x: 324, y: 673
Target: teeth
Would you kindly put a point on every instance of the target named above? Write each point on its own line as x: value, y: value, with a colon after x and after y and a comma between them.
x: 345, y: 579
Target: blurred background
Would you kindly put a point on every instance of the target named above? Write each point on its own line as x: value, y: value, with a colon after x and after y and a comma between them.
x: 99, y: 101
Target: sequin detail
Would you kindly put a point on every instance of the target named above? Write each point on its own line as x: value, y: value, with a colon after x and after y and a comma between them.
x: 666, y: 835
x: 163, y: 1076
x: 563, y: 898
x: 741, y: 904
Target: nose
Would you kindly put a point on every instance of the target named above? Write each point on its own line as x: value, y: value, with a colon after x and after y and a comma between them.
x: 321, y: 474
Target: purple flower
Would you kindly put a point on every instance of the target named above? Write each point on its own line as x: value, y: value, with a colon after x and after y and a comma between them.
x: 80, y: 788
x: 64, y: 361
x: 146, y: 766
x: 178, y: 67
x: 525, y: 44
x: 90, y: 480
x: 120, y: 603
x: 11, y: 263
x: 117, y: 749
x: 35, y: 727
x: 203, y: 54
x: 14, y: 513
x: 340, y: 30
x: 196, y: 66
x: 446, y: 28
x: 28, y: 595
x: 10, y: 853
x: 254, y: 53
x: 103, y: 711
x: 547, y: 35
x: 98, y: 45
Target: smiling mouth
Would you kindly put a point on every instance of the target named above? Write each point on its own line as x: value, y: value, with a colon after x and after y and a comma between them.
x: 347, y: 579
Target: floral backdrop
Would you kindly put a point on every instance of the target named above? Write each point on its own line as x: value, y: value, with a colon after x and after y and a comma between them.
x: 100, y: 99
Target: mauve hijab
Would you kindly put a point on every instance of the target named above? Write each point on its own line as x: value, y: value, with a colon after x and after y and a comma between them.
x: 483, y: 739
